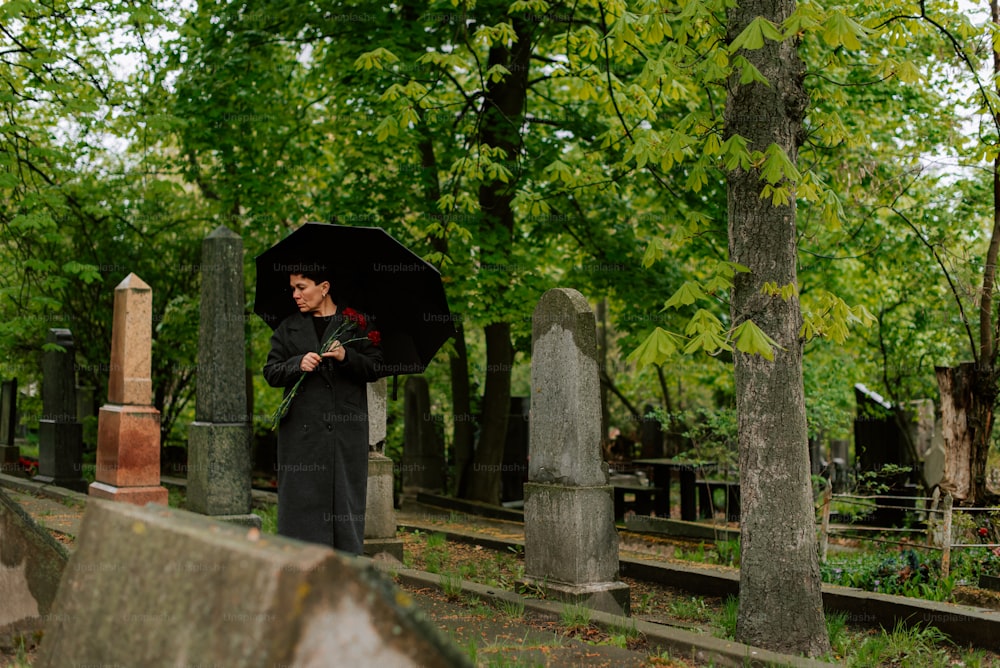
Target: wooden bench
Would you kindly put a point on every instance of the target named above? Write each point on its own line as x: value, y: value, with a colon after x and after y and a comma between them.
x: 706, y: 501
x: 643, y: 504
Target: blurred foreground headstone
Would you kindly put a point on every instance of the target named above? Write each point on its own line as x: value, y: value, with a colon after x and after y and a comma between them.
x: 158, y: 586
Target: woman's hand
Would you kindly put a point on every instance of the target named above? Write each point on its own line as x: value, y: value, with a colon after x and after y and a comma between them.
x: 310, y: 361
x: 336, y: 351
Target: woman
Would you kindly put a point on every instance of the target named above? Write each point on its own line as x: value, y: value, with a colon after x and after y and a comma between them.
x: 323, y: 436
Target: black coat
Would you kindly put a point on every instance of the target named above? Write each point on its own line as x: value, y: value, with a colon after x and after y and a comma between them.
x: 323, y: 438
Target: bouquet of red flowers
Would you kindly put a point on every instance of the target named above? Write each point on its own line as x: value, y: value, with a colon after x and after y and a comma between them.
x: 352, y: 321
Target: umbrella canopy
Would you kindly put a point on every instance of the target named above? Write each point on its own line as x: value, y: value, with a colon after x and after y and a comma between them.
x: 370, y: 271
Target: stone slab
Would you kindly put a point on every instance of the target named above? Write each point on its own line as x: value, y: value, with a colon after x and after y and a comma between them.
x: 138, y: 496
x: 380, y: 514
x: 218, y: 468
x: 31, y: 565
x: 380, y: 546
x: 569, y: 535
x: 128, y: 446
x: 9, y: 456
x: 165, y: 587
x: 60, y: 454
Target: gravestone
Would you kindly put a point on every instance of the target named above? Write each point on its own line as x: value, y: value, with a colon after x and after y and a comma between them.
x: 60, y: 434
x: 128, y: 426
x: 380, y: 512
x: 840, y: 464
x: 31, y: 565
x: 423, y: 452
x: 9, y: 453
x: 514, y: 466
x: 218, y: 459
x: 157, y: 586
x: 84, y: 412
x: 570, y: 540
x: 650, y: 434
x: 934, y: 460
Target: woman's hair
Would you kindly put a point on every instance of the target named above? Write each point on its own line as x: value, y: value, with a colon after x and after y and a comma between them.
x: 317, y: 276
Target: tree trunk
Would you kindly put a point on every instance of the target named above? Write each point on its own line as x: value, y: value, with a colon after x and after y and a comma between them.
x: 461, y: 404
x: 500, y: 127
x: 967, y: 399
x: 781, y: 605
x: 464, y: 429
x: 484, y: 479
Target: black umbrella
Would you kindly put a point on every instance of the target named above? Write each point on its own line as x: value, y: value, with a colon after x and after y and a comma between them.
x: 370, y: 271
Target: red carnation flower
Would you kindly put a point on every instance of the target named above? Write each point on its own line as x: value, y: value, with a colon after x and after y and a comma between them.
x: 983, y: 531
x: 355, y: 317
x: 375, y: 337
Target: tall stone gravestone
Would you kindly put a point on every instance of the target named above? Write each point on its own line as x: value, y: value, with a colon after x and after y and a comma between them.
x: 60, y: 434
x: 219, y: 438
x: 128, y: 426
x: 380, y: 512
x: 423, y: 451
x: 570, y: 540
x: 9, y: 453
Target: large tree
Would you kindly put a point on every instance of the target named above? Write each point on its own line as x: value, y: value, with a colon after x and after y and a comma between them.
x: 779, y: 569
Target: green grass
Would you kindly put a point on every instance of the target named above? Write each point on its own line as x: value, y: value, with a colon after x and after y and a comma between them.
x: 435, y: 552
x: 692, y: 609
x: 511, y: 609
x: 268, y: 518
x: 575, y: 617
x: 902, y: 646
x: 451, y: 586
x: 725, y: 619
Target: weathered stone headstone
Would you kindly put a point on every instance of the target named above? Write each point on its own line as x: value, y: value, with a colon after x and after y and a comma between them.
x: 380, y: 512
x: 31, y: 565
x: 128, y: 426
x: 9, y: 453
x: 570, y: 540
x: 219, y: 439
x: 60, y: 434
x: 919, y: 418
x: 423, y: 452
x: 934, y: 460
x: 164, y: 587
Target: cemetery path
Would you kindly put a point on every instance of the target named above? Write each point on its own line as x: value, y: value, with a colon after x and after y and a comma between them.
x: 500, y: 640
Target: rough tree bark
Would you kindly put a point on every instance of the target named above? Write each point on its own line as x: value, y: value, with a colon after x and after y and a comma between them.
x: 781, y: 605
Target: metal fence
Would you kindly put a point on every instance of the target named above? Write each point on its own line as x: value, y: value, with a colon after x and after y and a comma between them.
x: 934, y: 506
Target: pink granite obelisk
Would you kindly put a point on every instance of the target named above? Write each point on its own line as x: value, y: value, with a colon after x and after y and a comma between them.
x: 128, y: 427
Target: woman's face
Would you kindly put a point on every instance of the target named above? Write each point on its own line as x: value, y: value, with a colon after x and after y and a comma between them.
x: 308, y: 294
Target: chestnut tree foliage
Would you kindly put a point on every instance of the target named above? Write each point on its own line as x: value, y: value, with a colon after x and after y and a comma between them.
x: 520, y: 146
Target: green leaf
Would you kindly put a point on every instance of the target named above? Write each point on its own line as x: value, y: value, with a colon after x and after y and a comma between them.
x: 751, y: 339
x: 749, y: 73
x: 706, y: 333
x: 657, y: 348
x: 777, y: 166
x: 375, y: 59
x: 687, y: 294
x: 842, y: 30
x: 754, y: 34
